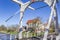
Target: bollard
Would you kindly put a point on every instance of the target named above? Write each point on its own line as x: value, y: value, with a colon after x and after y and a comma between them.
x: 10, y: 37
x: 51, y: 37
x: 58, y: 37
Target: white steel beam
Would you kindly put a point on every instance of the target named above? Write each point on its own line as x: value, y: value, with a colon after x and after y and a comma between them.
x: 51, y: 3
x: 21, y: 3
x: 22, y: 9
x: 49, y: 22
x: 56, y: 20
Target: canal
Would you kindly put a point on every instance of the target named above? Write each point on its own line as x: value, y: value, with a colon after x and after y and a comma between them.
x: 4, y: 36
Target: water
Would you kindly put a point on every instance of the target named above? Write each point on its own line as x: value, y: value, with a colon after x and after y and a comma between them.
x: 6, y: 36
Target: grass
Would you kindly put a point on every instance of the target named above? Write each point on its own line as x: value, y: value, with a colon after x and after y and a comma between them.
x: 12, y: 32
x: 24, y: 34
x: 9, y: 32
x: 31, y: 34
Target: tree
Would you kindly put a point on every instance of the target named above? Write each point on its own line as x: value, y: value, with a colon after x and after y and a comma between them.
x: 52, y: 28
x: 3, y: 28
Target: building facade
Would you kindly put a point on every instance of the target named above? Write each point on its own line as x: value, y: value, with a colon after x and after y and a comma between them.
x: 35, y: 24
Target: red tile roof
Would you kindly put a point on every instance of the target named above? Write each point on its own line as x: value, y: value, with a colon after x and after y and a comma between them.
x: 32, y: 21
x: 29, y: 21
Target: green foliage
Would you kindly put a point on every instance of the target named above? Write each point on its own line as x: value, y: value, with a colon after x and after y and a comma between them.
x: 11, y: 29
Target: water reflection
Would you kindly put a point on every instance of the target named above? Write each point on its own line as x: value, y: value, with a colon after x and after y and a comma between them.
x: 6, y: 36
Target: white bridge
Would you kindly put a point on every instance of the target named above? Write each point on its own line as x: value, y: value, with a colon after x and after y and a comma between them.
x: 51, y: 3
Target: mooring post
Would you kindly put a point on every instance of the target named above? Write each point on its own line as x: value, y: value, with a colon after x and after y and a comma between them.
x: 10, y: 37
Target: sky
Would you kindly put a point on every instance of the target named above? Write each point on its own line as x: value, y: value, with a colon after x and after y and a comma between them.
x: 9, y: 8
